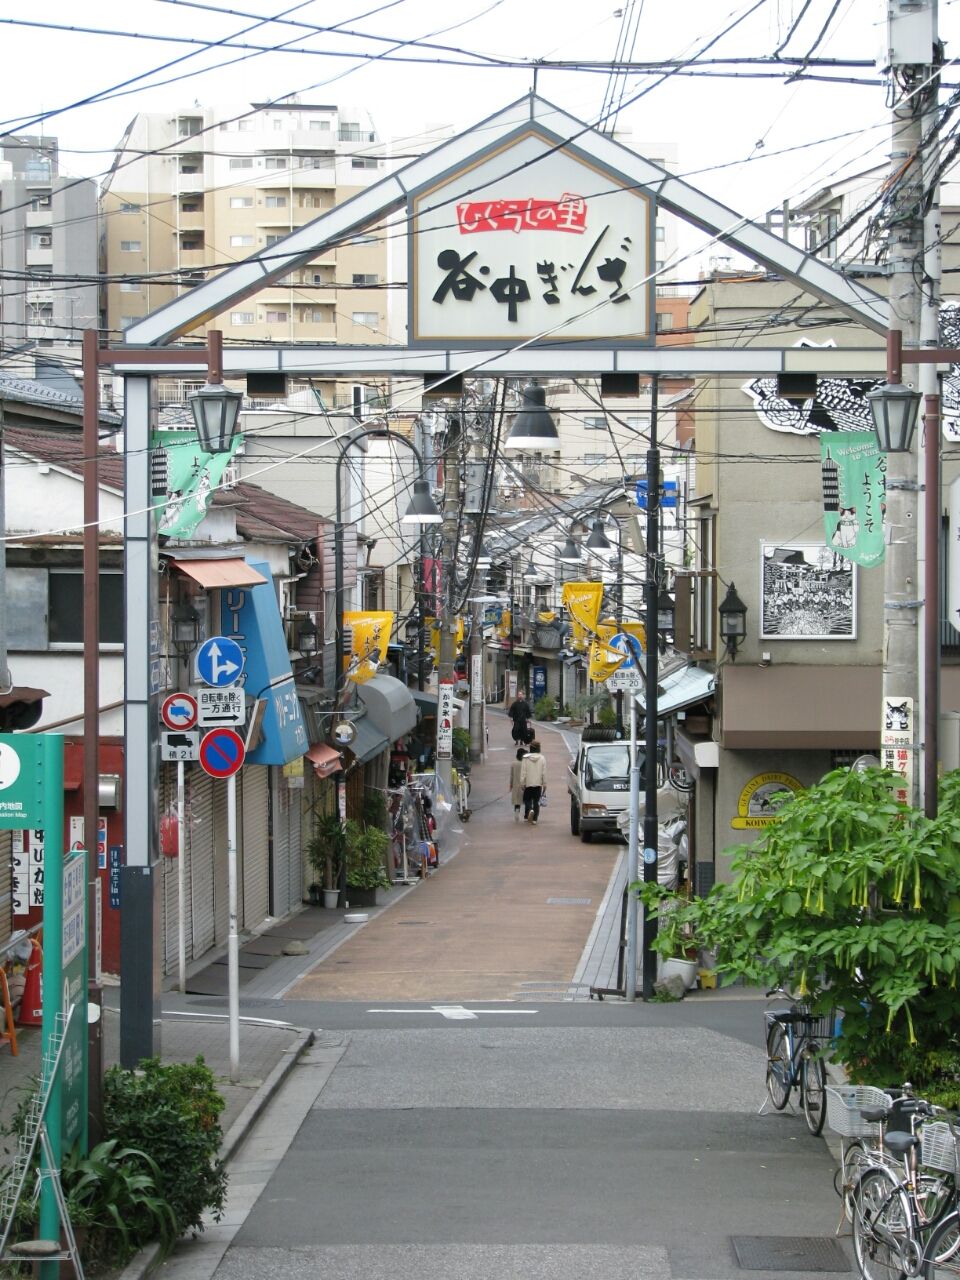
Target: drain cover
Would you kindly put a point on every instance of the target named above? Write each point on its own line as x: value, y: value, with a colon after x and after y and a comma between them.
x: 569, y: 902
x: 790, y: 1253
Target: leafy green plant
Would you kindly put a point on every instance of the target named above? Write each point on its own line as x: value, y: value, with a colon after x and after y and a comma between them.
x: 325, y: 850
x: 461, y: 745
x: 112, y: 1196
x: 171, y: 1111
x: 374, y: 810
x: 366, y: 857
x: 607, y: 716
x: 545, y: 708
x: 852, y: 900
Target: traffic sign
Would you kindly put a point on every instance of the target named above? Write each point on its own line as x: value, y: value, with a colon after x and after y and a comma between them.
x: 625, y: 679
x: 219, y: 661
x: 221, y: 706
x: 221, y: 753
x: 180, y: 744
x: 627, y: 644
x: 179, y: 711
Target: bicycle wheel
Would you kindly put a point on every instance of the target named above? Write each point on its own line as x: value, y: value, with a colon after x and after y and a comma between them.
x: 778, y: 1065
x: 848, y: 1174
x: 813, y: 1091
x: 943, y: 1249
x: 881, y: 1225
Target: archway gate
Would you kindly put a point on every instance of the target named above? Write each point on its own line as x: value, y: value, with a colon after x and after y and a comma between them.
x: 554, y: 292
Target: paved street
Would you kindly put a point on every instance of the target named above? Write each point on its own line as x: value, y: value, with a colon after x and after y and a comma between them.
x: 466, y: 1111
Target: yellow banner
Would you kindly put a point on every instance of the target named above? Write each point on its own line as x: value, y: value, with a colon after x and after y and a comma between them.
x: 433, y: 632
x: 603, y: 660
x: 369, y: 638
x: 582, y: 600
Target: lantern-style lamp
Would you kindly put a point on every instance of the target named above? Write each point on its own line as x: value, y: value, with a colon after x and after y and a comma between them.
x: 733, y: 621
x: 215, y: 412
x: 894, y: 409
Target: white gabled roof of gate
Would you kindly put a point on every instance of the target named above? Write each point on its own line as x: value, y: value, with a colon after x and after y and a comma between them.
x: 391, y: 193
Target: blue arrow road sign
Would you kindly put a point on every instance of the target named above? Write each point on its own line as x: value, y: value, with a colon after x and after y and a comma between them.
x: 219, y: 661
x: 629, y: 645
x: 221, y: 753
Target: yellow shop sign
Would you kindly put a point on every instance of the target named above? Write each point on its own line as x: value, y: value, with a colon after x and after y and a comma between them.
x: 755, y: 807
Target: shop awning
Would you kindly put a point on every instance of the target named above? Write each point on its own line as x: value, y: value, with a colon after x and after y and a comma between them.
x: 681, y: 689
x: 427, y: 701
x: 390, y: 705
x: 211, y: 574
x: 369, y: 741
x: 325, y: 760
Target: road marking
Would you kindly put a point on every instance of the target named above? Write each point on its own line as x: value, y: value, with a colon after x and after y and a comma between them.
x: 455, y: 1012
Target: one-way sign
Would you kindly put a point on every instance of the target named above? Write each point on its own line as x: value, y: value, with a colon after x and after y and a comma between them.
x: 220, y: 706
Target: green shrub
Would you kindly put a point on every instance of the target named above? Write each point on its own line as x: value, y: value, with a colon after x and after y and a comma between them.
x: 607, y: 716
x: 114, y: 1201
x: 461, y: 745
x: 366, y: 857
x: 545, y: 708
x: 171, y: 1111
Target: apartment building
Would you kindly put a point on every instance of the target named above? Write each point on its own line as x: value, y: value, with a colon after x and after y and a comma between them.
x: 196, y: 191
x: 48, y: 248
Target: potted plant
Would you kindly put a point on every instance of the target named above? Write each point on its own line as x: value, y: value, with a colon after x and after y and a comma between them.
x: 677, y: 943
x: 324, y: 850
x: 366, y: 853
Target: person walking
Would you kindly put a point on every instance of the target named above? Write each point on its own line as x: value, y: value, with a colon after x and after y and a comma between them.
x: 533, y: 780
x: 516, y: 787
x: 519, y: 712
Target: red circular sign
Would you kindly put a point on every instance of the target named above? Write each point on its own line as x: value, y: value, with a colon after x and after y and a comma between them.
x: 221, y: 753
x: 179, y: 711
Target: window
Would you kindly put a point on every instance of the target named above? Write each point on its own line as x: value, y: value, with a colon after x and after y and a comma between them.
x: 191, y: 204
x: 272, y: 239
x: 127, y: 207
x: 660, y: 264
x: 241, y: 162
x: 365, y: 279
x: 310, y: 201
x: 664, y: 321
x: 191, y: 164
x: 316, y: 315
x: 127, y: 321
x: 188, y: 125
x: 241, y: 202
x: 364, y: 162
x: 277, y: 126
x: 130, y: 246
x: 245, y: 125
x: 191, y: 242
x: 594, y: 424
x: 241, y: 242
x: 241, y: 317
x: 65, y: 607
x: 39, y: 240
x: 594, y: 459
x: 39, y: 204
x: 660, y: 233
x: 322, y: 126
x: 130, y: 286
x: 276, y: 162
x: 369, y: 318
x: 275, y: 202
x: 277, y: 317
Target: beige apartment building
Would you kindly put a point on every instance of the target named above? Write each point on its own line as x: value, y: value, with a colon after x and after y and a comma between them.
x: 196, y: 191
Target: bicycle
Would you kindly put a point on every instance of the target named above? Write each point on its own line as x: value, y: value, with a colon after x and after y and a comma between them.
x: 795, y: 1059
x: 904, y: 1216
x: 461, y: 786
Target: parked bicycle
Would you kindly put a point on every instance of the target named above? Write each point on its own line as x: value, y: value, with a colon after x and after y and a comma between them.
x: 461, y: 787
x: 795, y: 1042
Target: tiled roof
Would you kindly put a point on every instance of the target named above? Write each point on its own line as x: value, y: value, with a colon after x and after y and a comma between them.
x: 64, y: 449
x: 29, y: 391
x: 263, y: 516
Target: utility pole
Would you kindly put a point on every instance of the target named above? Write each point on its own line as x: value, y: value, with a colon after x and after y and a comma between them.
x: 476, y: 683
x: 447, y: 656
x: 911, y: 35
x: 651, y: 588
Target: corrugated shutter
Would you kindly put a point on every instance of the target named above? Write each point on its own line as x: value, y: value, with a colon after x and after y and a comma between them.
x: 6, y: 885
x: 254, y: 827
x: 168, y: 870
x: 221, y: 914
x: 295, y: 883
x: 200, y: 841
x: 280, y: 871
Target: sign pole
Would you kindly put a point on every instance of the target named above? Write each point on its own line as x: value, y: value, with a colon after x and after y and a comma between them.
x: 181, y: 881
x: 652, y: 589
x: 233, y: 957
x: 633, y: 859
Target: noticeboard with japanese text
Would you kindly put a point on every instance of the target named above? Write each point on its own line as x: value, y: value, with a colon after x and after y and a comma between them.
x: 532, y: 239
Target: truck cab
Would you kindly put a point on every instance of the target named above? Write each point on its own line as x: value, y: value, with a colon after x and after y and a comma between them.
x: 598, y: 780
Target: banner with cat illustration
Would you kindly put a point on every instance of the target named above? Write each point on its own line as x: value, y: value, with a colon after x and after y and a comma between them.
x: 853, y: 472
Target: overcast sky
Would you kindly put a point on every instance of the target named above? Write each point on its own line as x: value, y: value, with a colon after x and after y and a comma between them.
x: 751, y: 142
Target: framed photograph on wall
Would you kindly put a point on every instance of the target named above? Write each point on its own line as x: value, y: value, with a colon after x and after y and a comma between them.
x: 807, y: 592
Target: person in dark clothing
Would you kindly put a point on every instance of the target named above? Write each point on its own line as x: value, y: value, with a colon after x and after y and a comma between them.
x: 519, y: 712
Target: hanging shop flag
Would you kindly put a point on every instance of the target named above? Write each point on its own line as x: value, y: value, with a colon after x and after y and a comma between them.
x: 433, y: 631
x: 369, y: 635
x: 192, y: 479
x: 582, y: 601
x: 604, y: 660
x: 853, y: 472
x: 607, y: 630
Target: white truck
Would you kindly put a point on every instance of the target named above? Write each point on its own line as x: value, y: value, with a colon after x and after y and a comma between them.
x: 598, y: 780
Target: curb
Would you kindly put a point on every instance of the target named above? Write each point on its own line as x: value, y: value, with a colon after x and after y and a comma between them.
x: 148, y: 1259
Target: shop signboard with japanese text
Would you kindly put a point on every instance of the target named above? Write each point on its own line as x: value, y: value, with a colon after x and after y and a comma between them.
x: 532, y: 239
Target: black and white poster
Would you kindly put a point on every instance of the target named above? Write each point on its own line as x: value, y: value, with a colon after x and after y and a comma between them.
x: 807, y: 592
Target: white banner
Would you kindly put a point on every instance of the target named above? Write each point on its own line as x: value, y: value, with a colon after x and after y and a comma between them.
x: 476, y: 679
x: 953, y: 554
x: 445, y: 721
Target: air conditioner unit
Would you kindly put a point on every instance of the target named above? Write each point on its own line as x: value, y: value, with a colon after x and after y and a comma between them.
x: 44, y: 242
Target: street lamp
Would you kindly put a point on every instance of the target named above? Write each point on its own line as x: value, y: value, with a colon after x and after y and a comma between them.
x: 733, y: 621
x: 530, y: 573
x: 422, y: 509
x: 533, y: 428
x: 598, y: 542
x: 894, y: 409
x: 571, y: 551
x: 308, y: 639
x: 215, y: 412
x: 666, y: 611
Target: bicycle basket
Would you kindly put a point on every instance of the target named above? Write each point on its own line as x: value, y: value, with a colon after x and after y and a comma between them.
x: 938, y: 1147
x: 843, y: 1109
x: 817, y: 1026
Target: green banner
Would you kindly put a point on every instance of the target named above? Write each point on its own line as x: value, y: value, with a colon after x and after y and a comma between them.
x: 192, y: 478
x: 853, y: 472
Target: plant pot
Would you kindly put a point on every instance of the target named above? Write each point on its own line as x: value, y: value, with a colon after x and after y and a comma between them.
x: 330, y: 898
x: 361, y: 897
x: 674, y: 965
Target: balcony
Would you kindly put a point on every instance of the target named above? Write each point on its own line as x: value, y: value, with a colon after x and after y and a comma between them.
x: 191, y: 221
x: 353, y: 133
x: 189, y: 183
x: 192, y: 259
x: 39, y: 219
x: 39, y: 257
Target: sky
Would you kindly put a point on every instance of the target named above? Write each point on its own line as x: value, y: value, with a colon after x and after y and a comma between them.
x: 751, y: 142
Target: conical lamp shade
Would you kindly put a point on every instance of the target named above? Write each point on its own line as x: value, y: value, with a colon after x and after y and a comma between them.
x: 598, y: 540
x: 533, y: 428
x: 422, y: 508
x: 570, y: 553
